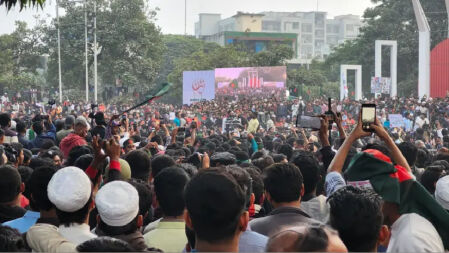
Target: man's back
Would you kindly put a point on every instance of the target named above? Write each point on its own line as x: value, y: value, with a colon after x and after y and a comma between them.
x: 278, y: 218
x: 168, y: 236
x: 413, y: 233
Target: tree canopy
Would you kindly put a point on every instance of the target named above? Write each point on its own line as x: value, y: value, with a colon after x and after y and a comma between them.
x: 22, y: 3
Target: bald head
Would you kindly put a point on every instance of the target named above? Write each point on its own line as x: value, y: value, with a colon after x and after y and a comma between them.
x: 306, y: 239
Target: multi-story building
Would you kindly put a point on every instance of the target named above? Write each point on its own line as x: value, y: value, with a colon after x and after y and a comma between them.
x: 315, y: 34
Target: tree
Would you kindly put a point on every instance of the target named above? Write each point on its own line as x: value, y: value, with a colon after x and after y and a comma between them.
x: 131, y: 45
x: 23, y: 3
x: 276, y: 55
x: 390, y: 20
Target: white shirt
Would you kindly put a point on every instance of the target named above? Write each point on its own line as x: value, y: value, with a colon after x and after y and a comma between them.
x: 76, y: 233
x: 413, y: 233
x: 317, y: 208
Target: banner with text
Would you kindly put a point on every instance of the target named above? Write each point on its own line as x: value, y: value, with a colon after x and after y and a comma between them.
x: 197, y: 86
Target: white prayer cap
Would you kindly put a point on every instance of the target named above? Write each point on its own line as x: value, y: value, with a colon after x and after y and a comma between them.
x: 442, y: 192
x: 69, y: 189
x: 117, y: 203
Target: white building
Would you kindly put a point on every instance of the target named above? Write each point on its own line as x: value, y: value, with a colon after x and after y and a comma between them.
x: 317, y: 35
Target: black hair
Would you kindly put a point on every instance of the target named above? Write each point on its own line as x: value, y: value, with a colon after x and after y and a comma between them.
x: 222, y: 158
x: 257, y: 155
x: 257, y: 183
x: 263, y: 162
x: 287, y: 150
x: 76, y: 152
x: 244, y: 180
x: 37, y: 162
x: 27, y: 155
x: 377, y: 146
x: 157, y: 139
x: 283, y: 181
x: 431, y: 176
x: 127, y: 143
x: 357, y: 216
x: 145, y: 195
x: 47, y: 144
x: 84, y: 161
x: 216, y: 214
x: 38, y: 127
x: 105, y: 244
x: 169, y: 187
x: 59, y: 125
x: 11, y: 240
x: 10, y: 182
x: 37, y: 186
x: 409, y: 151
x: 277, y: 158
x: 5, y: 119
x: 190, y: 169
x: 79, y: 216
x: 21, y: 126
x: 25, y: 175
x: 159, y: 163
x: 310, y: 170
x: 422, y: 158
x: 140, y: 163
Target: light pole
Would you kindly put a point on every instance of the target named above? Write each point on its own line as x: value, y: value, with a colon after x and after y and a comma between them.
x: 86, y: 51
x: 59, y: 52
x: 95, y: 49
x: 185, y: 17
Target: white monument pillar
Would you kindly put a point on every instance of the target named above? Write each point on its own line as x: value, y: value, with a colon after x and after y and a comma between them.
x: 344, y: 81
x: 393, y: 65
x: 424, y: 49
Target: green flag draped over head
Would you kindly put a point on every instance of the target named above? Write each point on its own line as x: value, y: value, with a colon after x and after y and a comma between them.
x: 373, y: 169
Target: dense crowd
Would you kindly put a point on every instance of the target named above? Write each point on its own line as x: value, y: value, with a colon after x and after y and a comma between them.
x: 236, y: 174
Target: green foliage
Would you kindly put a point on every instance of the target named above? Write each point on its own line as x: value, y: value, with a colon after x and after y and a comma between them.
x: 303, y: 76
x: 23, y: 3
x: 276, y: 55
x: 131, y: 45
x: 390, y: 20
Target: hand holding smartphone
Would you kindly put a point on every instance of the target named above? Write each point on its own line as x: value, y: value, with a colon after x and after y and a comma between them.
x: 368, y: 117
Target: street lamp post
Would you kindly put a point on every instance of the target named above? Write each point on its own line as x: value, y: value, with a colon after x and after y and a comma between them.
x: 86, y: 51
x: 95, y: 49
x: 59, y: 52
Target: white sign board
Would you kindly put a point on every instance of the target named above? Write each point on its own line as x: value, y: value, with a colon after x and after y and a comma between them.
x: 396, y: 120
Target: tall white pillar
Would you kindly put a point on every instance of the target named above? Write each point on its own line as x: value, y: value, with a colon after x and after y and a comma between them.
x: 344, y: 80
x: 393, y: 62
x: 424, y: 49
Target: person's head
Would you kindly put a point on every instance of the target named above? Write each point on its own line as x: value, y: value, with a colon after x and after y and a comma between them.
x: 145, y: 196
x: 76, y: 152
x: 27, y: 157
x: 84, y: 161
x: 280, y: 158
x: 298, y: 144
x: 222, y: 159
x: 37, y: 186
x: 442, y: 192
x: 21, y: 127
x: 357, y: 216
x: 55, y: 155
x: 11, y: 185
x: 422, y: 158
x: 117, y: 203
x: 159, y: 163
x: 140, y: 163
x: 217, y: 216
x: 38, y: 127
x: 307, y: 238
x: 70, y: 190
x: 128, y: 146
x: 283, y: 184
x: 257, y: 185
x: 310, y: 170
x: 263, y: 162
x: 287, y: 150
x: 81, y: 127
x: 5, y: 120
x: 409, y: 151
x: 105, y: 244
x: 11, y: 240
x: 244, y: 180
x: 169, y: 187
x: 69, y: 122
x: 430, y: 177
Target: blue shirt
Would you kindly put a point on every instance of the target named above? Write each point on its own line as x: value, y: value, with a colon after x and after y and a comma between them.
x: 177, y: 122
x: 251, y: 241
x: 24, y: 223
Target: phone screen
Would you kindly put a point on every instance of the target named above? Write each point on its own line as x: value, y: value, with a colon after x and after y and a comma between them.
x: 368, y: 115
x: 309, y: 122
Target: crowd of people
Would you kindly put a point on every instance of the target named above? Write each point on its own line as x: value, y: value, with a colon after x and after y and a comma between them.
x: 227, y: 175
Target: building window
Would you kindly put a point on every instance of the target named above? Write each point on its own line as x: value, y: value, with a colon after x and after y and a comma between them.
x: 349, y: 28
x: 295, y: 25
x: 306, y: 28
x: 307, y: 38
x: 319, y: 33
x: 332, y: 28
x: 271, y: 25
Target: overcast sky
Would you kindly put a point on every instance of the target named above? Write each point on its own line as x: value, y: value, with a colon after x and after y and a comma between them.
x: 171, y: 14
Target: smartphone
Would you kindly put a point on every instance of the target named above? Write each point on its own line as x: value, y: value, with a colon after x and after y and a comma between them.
x: 368, y: 116
x: 309, y: 122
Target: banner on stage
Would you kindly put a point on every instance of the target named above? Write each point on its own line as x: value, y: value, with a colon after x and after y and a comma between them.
x: 197, y: 86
